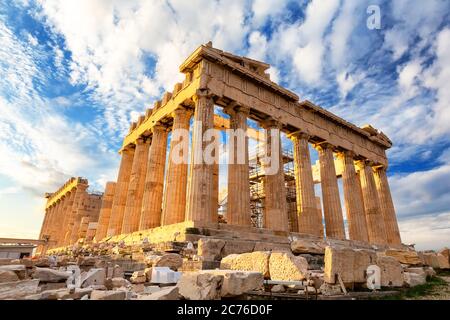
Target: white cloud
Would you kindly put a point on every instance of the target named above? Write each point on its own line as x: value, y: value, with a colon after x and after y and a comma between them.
x: 347, y: 82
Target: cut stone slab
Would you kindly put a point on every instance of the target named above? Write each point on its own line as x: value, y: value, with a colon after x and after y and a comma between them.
x: 287, y: 267
x: 362, y: 259
x: 307, y: 246
x: 391, y: 271
x: 330, y: 289
x: 210, y: 249
x: 8, y: 276
x: 169, y: 293
x: 413, y: 279
x: 278, y: 288
x: 237, y: 247
x: 431, y: 259
x: 254, y: 261
x: 94, y: 277
x: 108, y: 295
x: 19, y: 269
x: 164, y: 275
x: 446, y: 253
x: 443, y: 261
x: 236, y: 283
x: 200, y: 285
x: 339, y: 261
x: 18, y: 289
x: 50, y: 275
x: 404, y: 257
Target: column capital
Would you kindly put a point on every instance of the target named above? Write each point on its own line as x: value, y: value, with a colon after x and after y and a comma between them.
x: 159, y: 127
x: 201, y: 93
x: 323, y: 146
x: 361, y: 163
x: 271, y: 123
x: 346, y: 153
x: 182, y: 111
x: 299, y: 135
x: 234, y: 107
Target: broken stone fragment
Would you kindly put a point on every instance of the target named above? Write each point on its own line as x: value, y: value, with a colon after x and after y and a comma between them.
x: 405, y: 257
x: 443, y: 261
x: 330, y: 289
x: 170, y: 260
x: 18, y: 289
x: 108, y: 295
x: 117, y: 283
x: 236, y: 283
x: 138, y: 277
x: 278, y: 288
x: 254, y: 261
x: 210, y: 249
x: 285, y: 266
x: 200, y: 285
x: 8, y: 276
x: 50, y: 275
x: 169, y: 293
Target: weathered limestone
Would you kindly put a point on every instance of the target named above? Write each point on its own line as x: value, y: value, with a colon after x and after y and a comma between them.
x: 8, y: 276
x: 78, y: 211
x: 287, y: 267
x: 169, y: 293
x: 309, y: 218
x: 387, y: 206
x: 210, y: 249
x: 353, y: 201
x: 132, y: 214
x: 236, y: 283
x: 334, y: 221
x: 175, y: 199
x: 304, y: 246
x: 50, y: 275
x: 201, y: 185
x: 120, y: 194
x: 391, y: 271
x: 18, y: 289
x: 275, y: 211
x: 154, y: 180
x: 200, y: 285
x: 405, y: 257
x: 105, y: 211
x: 238, y: 202
x: 414, y: 279
x: 375, y: 222
x: 254, y: 261
x: 108, y: 295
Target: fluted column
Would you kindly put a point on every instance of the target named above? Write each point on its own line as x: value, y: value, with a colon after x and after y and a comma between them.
x: 309, y: 219
x: 80, y: 213
x: 387, y: 206
x: 275, y: 212
x: 354, y: 205
x: 133, y: 207
x: 54, y: 223
x: 154, y: 180
x: 120, y: 196
x: 176, y: 181
x: 105, y: 211
x: 238, y: 202
x: 66, y: 216
x: 200, y: 202
x: 334, y: 221
x: 73, y: 212
x: 374, y: 217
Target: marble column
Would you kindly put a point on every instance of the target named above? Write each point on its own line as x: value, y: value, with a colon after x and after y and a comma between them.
x: 66, y: 216
x: 77, y: 212
x: 354, y: 205
x: 275, y: 211
x: 133, y: 207
x: 72, y: 213
x: 334, y: 221
x: 120, y: 196
x: 80, y: 213
x: 238, y: 202
x: 54, y: 223
x: 309, y: 221
x: 374, y: 216
x: 387, y: 206
x: 154, y: 180
x: 201, y: 181
x: 105, y: 211
x: 176, y: 182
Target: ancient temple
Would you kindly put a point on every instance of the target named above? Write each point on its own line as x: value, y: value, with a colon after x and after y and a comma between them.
x: 152, y: 190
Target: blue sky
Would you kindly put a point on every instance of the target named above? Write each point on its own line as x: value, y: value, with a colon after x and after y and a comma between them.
x: 75, y: 73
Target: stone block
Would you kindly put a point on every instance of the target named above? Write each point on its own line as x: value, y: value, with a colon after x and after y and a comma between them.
x: 307, y: 246
x: 391, y: 271
x: 164, y: 275
x: 414, y: 279
x: 330, y: 289
x: 50, y: 275
x: 237, y: 247
x: 191, y: 265
x: 339, y: 261
x: 18, y: 289
x: 210, y: 249
x: 267, y: 246
x: 255, y: 261
x: 404, y: 257
x: 431, y: 259
x: 443, y: 261
x: 8, y: 276
x: 108, y: 295
x: 236, y: 283
x: 171, y: 260
x: 19, y: 269
x: 168, y: 293
x: 446, y: 253
x: 287, y: 267
x: 278, y: 288
x: 138, y: 277
x: 200, y: 285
